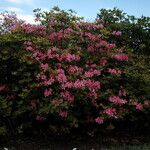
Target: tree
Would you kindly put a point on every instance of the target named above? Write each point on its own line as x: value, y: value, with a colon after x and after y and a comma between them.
x: 135, y: 31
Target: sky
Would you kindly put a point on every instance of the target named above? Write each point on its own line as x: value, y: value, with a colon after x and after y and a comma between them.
x: 85, y: 8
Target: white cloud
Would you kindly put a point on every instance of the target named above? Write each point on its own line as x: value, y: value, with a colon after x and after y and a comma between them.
x: 44, y: 9
x: 27, y: 18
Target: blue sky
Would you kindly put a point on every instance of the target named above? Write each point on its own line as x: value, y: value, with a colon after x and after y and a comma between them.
x: 85, y: 8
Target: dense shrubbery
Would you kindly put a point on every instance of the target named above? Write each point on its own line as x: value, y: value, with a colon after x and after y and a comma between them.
x: 65, y: 73
x: 135, y: 36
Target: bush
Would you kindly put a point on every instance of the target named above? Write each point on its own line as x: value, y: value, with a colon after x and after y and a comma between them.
x: 62, y: 74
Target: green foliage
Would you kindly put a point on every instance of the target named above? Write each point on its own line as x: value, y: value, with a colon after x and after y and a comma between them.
x: 135, y: 31
x: 18, y: 71
x: 138, y: 76
x: 57, y: 15
x: 135, y: 35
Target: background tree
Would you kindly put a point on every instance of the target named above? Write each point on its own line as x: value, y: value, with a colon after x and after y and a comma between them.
x: 135, y: 35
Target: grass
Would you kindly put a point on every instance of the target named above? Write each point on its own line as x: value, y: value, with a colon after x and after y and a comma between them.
x: 94, y: 143
x: 134, y: 147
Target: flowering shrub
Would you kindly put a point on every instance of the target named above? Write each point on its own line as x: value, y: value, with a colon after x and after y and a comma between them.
x: 8, y: 22
x: 75, y: 76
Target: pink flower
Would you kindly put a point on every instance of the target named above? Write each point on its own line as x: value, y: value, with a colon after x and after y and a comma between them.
x: 117, y: 100
x: 102, y: 44
x: 93, y: 65
x: 49, y: 82
x: 121, y: 57
x: 41, y: 77
x: 67, y: 96
x: 69, y: 57
x: 92, y: 72
x: 111, y: 46
x: 139, y: 106
x: 114, y: 71
x: 47, y: 92
x: 110, y: 112
x: 29, y: 48
x: 79, y: 84
x: 61, y: 77
x: 44, y: 66
x: 99, y: 120
x: 103, y: 61
x: 90, y: 49
x: 75, y: 69
x: 92, y: 85
x: 122, y: 92
x: 92, y: 95
x: 38, y: 55
x: 63, y: 114
x: 117, y: 33
x: 67, y: 85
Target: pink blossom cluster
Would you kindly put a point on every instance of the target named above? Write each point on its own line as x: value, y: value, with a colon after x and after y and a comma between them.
x: 39, y: 56
x: 41, y: 76
x: 139, y: 106
x: 91, y: 49
x: 91, y: 73
x: 103, y: 61
x: 34, y: 29
x: 82, y: 84
x: 68, y: 31
x: 44, y: 67
x: 111, y: 112
x: 114, y: 71
x: 90, y: 26
x: 69, y: 57
x: 117, y: 100
x: 92, y: 94
x: 105, y: 46
x: 122, y: 92
x: 75, y: 69
x: 61, y: 77
x: 47, y: 92
x: 56, y: 36
x: 117, y: 33
x: 44, y: 80
x: 55, y: 24
x: 121, y: 57
x: 48, y: 81
x: 67, y: 96
x: 99, y: 120
x: 63, y: 114
x: 89, y: 36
